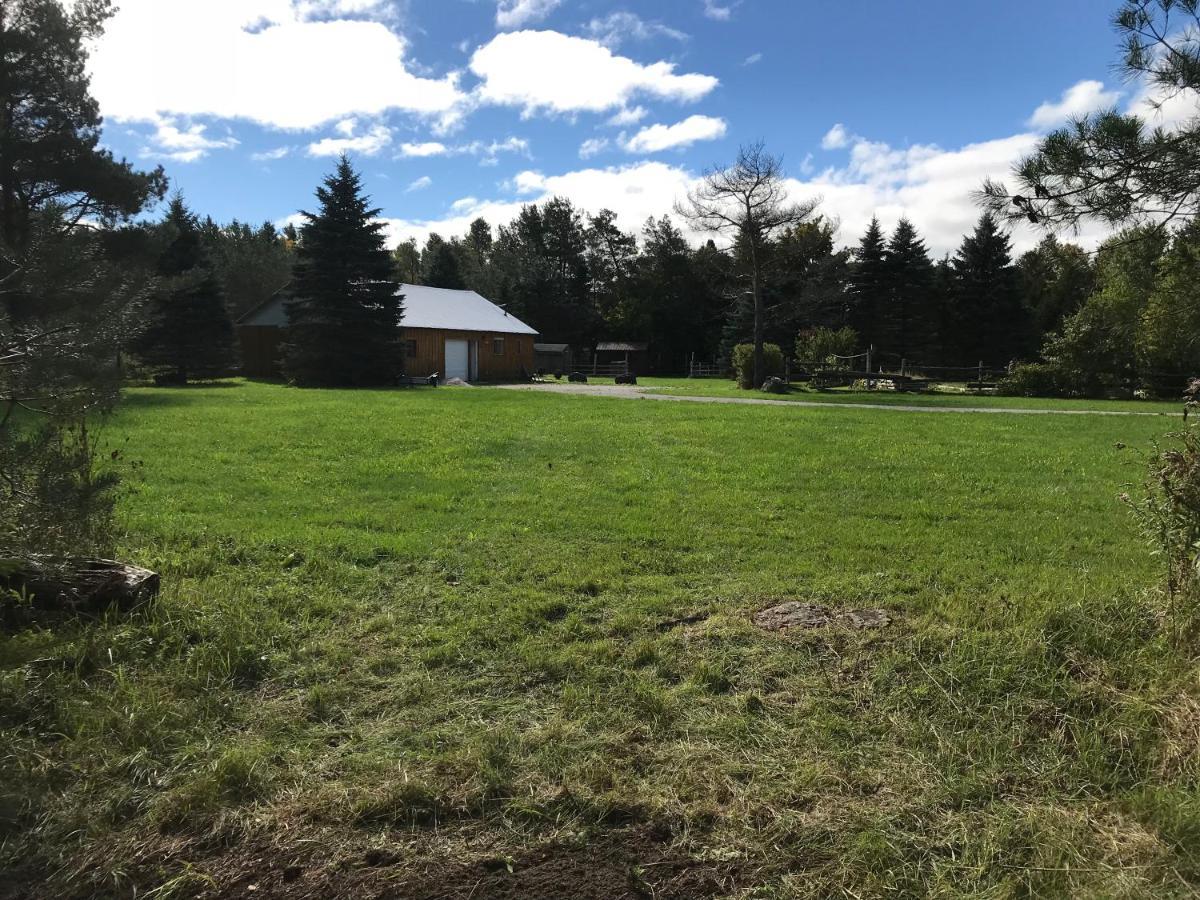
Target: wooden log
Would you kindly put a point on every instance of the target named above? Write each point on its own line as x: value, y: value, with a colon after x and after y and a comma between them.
x: 75, y: 586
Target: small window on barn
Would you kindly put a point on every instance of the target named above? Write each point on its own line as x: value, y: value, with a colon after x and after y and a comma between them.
x: 411, y: 349
x: 498, y: 346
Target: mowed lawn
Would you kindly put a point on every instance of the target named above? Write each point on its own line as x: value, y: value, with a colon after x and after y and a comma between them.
x: 484, y: 643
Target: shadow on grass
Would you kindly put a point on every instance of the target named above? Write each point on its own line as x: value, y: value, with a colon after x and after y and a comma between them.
x: 154, y: 395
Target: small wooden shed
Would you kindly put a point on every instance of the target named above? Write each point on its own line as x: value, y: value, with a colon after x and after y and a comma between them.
x: 552, y: 359
x: 614, y: 355
x: 457, y: 334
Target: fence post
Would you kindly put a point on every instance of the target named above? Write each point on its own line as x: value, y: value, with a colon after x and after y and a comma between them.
x: 980, y: 379
x: 903, y: 363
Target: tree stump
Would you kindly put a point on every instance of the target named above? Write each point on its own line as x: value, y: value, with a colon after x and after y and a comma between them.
x: 88, y: 587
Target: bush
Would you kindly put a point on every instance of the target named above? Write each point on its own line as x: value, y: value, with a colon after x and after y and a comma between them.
x: 1036, y: 380
x: 820, y: 345
x: 743, y: 364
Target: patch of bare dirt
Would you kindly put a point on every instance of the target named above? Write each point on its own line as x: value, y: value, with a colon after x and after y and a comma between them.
x: 808, y: 615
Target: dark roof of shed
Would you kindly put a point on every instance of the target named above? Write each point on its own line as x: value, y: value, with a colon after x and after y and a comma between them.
x: 621, y: 347
x: 551, y: 348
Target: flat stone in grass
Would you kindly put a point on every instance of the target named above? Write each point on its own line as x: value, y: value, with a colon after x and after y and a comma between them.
x: 809, y: 615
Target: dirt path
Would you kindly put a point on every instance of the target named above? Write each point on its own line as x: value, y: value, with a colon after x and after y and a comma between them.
x: 624, y: 392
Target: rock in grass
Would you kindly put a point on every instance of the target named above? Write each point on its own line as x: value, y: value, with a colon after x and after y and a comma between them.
x: 775, y: 386
x: 626, y: 379
x: 809, y: 615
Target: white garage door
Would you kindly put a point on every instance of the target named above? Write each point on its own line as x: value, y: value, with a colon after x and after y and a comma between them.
x: 458, y: 360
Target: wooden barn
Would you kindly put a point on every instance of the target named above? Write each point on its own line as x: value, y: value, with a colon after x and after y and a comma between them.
x: 457, y: 334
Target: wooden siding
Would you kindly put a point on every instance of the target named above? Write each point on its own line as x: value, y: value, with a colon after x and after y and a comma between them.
x: 515, y: 361
x: 260, y: 350
x: 260, y: 346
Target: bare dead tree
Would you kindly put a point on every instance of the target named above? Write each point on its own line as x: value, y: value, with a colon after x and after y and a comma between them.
x: 749, y: 203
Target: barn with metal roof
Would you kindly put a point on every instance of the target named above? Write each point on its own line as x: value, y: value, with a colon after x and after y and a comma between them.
x: 455, y: 334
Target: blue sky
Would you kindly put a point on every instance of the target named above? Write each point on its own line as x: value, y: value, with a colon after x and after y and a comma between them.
x: 458, y: 108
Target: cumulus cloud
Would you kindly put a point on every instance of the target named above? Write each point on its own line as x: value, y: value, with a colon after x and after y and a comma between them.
x: 1075, y: 102
x: 682, y: 134
x: 252, y: 59
x: 516, y: 13
x: 934, y: 187
x: 552, y: 72
x: 635, y: 192
x: 185, y: 145
x: 426, y: 148
x: 593, y: 147
x: 836, y: 138
x: 627, y: 117
x: 618, y: 27
x: 419, y: 184
x: 368, y: 144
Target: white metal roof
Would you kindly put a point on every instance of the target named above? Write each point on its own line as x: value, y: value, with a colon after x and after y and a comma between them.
x: 424, y: 307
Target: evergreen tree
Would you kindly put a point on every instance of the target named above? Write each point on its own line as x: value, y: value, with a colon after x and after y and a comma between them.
x: 908, y: 324
x: 868, y: 285
x: 440, y: 264
x: 611, y: 255
x: 346, y: 310
x: 188, y: 331
x: 987, y: 320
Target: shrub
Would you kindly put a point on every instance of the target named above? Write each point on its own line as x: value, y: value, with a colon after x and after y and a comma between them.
x: 743, y: 363
x: 820, y: 345
x: 1036, y: 380
x: 1169, y: 514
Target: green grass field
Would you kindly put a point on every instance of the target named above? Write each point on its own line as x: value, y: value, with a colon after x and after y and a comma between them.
x: 483, y: 643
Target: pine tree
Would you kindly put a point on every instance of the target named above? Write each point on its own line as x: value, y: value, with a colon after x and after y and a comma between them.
x: 868, y: 285
x: 987, y: 320
x: 909, y: 319
x: 346, y: 308
x: 188, y: 334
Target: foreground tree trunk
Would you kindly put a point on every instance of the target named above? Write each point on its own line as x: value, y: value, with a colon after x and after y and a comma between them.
x: 74, y: 586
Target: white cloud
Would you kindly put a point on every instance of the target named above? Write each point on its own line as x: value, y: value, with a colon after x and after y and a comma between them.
x: 682, y: 134
x: 627, y: 117
x: 368, y: 144
x: 1075, y: 102
x: 634, y: 192
x: 618, y: 27
x: 932, y: 186
x: 428, y: 148
x: 718, y: 12
x: 489, y: 151
x: 184, y: 145
x: 753, y: 59
x: 548, y: 71
x: 592, y: 147
x: 516, y: 13
x: 836, y: 138
x: 420, y: 184
x: 271, y: 155
x: 253, y: 59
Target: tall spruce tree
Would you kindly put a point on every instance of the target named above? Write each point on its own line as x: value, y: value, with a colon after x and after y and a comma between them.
x: 988, y: 321
x: 188, y: 333
x: 344, y: 316
x: 910, y: 315
x: 868, y: 285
